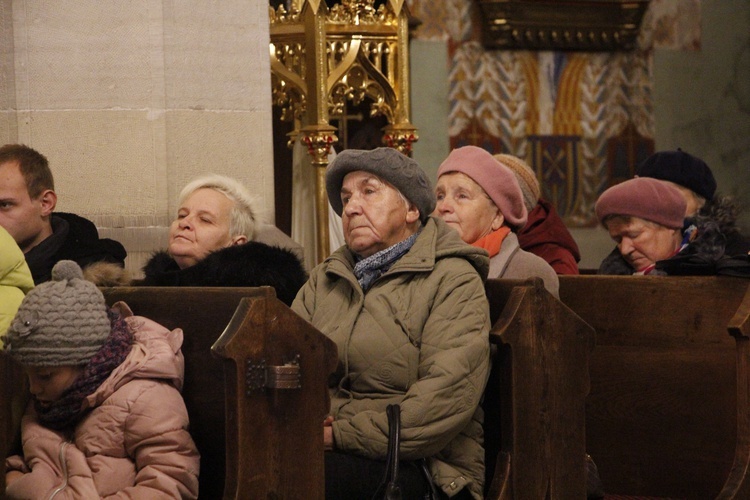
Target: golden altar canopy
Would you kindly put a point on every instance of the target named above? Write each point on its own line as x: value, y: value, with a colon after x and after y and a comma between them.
x: 322, y: 58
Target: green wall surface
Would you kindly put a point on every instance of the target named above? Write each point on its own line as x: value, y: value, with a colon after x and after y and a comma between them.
x: 702, y: 98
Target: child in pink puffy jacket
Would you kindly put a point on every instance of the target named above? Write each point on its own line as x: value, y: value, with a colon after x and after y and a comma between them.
x: 106, y: 419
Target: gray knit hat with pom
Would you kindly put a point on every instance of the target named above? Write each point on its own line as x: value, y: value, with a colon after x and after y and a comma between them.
x: 62, y: 322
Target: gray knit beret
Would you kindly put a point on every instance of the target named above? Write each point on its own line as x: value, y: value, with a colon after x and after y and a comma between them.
x: 62, y: 322
x: 397, y: 169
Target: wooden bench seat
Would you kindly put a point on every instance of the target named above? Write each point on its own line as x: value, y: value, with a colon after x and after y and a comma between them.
x: 662, y: 413
x: 534, y: 401
x: 271, y: 437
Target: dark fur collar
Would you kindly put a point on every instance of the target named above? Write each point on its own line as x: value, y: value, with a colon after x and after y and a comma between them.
x: 251, y: 264
x: 724, y: 212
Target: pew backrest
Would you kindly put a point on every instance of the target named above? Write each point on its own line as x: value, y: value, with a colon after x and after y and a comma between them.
x: 535, y: 398
x: 661, y: 417
x: 202, y: 314
x: 14, y: 395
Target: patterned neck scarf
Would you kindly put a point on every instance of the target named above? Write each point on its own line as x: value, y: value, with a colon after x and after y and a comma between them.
x: 371, y: 268
x: 687, y: 237
x: 67, y: 411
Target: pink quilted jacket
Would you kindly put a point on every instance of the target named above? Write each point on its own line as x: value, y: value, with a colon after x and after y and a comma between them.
x: 133, y: 444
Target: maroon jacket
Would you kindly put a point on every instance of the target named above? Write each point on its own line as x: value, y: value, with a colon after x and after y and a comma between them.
x: 545, y: 235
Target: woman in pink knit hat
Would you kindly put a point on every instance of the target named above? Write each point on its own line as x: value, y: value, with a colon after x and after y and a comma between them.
x: 480, y: 198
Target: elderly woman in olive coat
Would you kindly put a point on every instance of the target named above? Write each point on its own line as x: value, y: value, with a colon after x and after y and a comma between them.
x: 404, y: 301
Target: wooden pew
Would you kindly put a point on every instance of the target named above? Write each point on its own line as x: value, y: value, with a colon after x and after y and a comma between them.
x: 267, y: 450
x: 662, y: 413
x: 542, y: 349
x: 534, y: 402
x: 542, y: 361
x: 535, y: 399
x: 273, y: 435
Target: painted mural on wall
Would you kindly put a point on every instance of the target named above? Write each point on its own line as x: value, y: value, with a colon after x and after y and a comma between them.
x: 582, y: 120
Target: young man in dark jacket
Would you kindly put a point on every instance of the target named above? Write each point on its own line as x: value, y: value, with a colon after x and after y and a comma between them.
x: 27, y: 204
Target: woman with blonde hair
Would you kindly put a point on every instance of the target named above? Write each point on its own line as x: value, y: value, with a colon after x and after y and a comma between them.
x: 211, y: 243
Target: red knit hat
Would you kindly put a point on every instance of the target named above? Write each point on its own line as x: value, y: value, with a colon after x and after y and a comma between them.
x: 646, y: 198
x: 496, y: 179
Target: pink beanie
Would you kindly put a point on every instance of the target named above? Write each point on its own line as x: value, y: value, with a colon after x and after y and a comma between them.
x: 497, y: 180
x: 646, y: 198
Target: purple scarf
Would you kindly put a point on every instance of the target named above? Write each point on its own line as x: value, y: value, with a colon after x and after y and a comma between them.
x: 67, y: 411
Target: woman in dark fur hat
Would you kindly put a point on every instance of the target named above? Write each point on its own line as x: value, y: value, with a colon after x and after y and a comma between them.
x: 211, y: 244
x: 695, y: 181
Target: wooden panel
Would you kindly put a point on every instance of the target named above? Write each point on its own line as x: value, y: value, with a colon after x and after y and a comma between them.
x: 203, y: 314
x: 661, y: 417
x: 535, y: 399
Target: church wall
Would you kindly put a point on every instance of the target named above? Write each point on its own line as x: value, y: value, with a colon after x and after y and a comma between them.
x: 686, y: 86
x: 702, y: 97
x: 131, y: 100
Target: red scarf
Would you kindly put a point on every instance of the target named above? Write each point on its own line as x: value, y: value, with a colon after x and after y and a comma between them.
x: 493, y: 241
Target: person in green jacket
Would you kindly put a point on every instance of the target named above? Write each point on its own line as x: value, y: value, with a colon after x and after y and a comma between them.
x: 15, y: 279
x: 404, y: 301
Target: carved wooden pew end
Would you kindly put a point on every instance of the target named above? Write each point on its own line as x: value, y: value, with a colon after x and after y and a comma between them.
x: 535, y: 399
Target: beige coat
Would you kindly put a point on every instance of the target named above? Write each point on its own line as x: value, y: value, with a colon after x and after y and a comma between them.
x: 514, y: 263
x: 133, y: 444
x: 418, y: 337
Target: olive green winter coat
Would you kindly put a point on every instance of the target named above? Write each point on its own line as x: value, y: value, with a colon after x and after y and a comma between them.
x: 418, y: 337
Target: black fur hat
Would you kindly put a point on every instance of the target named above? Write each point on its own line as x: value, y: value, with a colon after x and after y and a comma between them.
x: 681, y: 168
